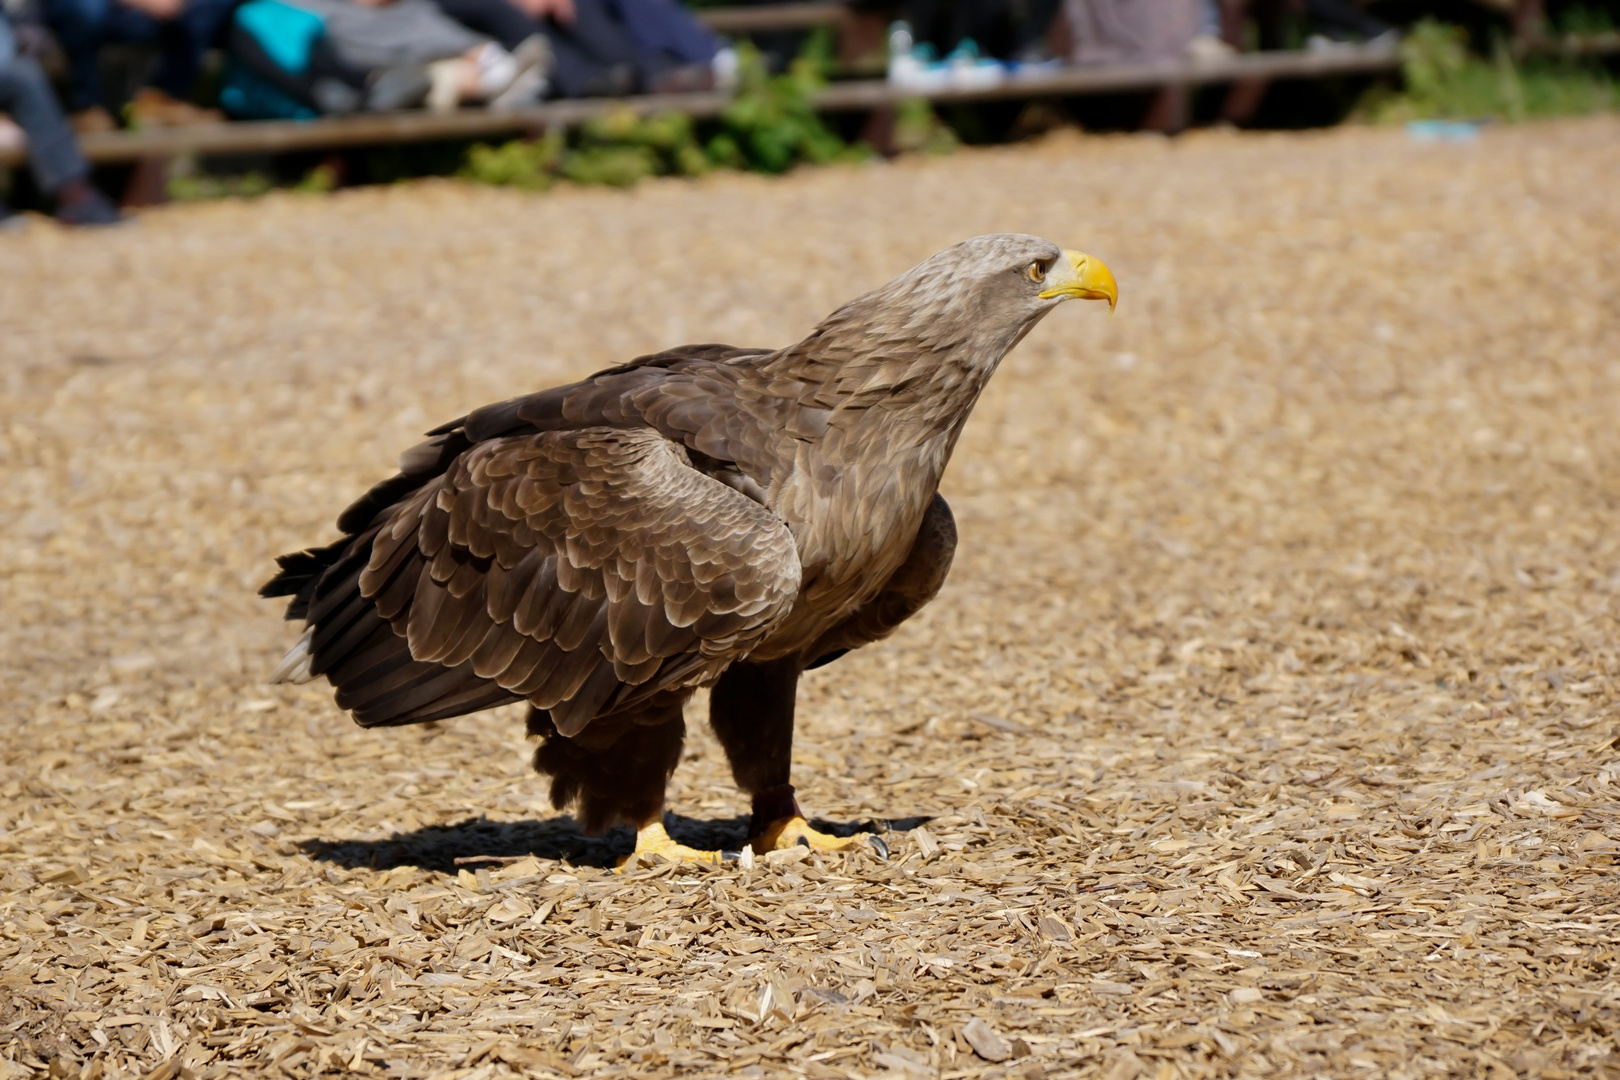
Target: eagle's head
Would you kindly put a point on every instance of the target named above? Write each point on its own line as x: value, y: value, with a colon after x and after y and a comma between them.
x: 1007, y: 277
x: 975, y: 299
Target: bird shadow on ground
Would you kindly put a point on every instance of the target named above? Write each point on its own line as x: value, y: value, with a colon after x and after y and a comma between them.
x: 437, y: 847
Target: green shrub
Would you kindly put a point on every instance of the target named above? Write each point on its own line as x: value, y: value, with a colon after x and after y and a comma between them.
x: 769, y: 126
x: 200, y: 187
x: 528, y: 164
x: 918, y: 129
x: 1444, y: 80
x: 615, y: 166
x: 318, y: 181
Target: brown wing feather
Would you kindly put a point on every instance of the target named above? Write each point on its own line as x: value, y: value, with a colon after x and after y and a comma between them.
x: 583, y: 570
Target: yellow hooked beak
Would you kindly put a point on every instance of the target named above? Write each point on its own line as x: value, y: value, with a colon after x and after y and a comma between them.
x: 1079, y: 275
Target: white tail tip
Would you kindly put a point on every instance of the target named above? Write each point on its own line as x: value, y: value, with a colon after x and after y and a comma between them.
x: 295, y: 665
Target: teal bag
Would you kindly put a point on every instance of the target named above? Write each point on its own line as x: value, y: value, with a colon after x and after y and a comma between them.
x: 285, y: 34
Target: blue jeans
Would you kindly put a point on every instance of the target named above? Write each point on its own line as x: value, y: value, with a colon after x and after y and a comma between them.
x: 84, y: 26
x: 664, y: 26
x: 26, y: 96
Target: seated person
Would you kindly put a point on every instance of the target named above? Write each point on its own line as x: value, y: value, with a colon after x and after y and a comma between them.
x: 182, y: 29
x: 603, y: 47
x: 1133, y: 31
x: 372, y: 54
x: 53, y: 153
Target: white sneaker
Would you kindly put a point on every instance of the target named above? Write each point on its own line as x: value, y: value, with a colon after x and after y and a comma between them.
x: 727, y: 68
x: 1206, y: 48
x: 527, y: 90
x: 447, y: 78
x: 496, y: 70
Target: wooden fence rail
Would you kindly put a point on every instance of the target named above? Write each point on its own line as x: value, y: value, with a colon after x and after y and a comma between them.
x: 277, y: 136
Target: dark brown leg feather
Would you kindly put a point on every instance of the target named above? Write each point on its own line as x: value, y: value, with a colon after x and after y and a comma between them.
x: 615, y: 771
x: 751, y: 710
x: 751, y: 707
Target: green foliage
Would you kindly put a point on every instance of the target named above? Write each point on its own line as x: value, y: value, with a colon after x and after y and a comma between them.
x: 200, y: 187
x: 521, y: 163
x: 318, y: 181
x: 615, y: 166
x: 1584, y: 20
x: 771, y: 124
x: 918, y: 129
x: 1444, y: 80
x: 820, y: 52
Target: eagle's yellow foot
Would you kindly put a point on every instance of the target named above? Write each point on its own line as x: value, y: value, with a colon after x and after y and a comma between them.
x: 790, y: 831
x: 655, y: 840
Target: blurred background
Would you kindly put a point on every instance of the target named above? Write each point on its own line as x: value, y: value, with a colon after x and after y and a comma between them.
x: 127, y: 103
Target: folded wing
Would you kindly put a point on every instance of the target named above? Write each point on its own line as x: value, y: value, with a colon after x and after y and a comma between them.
x: 582, y: 570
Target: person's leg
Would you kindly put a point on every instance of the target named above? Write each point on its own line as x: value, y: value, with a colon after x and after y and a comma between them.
x: 1031, y: 29
x: 53, y: 152
x: 1340, y: 18
x: 597, y: 29
x: 574, y: 72
x: 927, y: 19
x: 595, y: 53
x: 973, y: 19
x: 59, y: 168
x: 325, y: 63
x: 664, y: 26
x: 185, y: 38
x: 496, y: 18
x: 80, y: 27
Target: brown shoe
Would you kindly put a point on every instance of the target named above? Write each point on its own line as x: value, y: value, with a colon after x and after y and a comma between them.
x: 93, y: 121
x: 152, y: 108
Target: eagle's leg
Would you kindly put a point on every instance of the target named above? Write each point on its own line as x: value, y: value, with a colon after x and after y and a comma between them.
x: 751, y: 707
x: 751, y: 710
x: 614, y: 772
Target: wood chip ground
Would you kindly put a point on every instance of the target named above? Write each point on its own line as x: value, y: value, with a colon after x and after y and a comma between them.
x: 1267, y: 726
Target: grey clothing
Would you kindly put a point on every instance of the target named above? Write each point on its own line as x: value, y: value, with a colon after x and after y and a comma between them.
x: 401, y: 34
x: 1122, y: 31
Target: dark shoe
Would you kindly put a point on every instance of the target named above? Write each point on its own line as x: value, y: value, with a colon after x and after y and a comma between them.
x: 684, y: 79
x: 82, y: 204
x: 619, y: 80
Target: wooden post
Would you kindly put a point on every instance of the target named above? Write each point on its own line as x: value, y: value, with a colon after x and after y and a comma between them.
x: 1168, y: 109
x: 148, y: 183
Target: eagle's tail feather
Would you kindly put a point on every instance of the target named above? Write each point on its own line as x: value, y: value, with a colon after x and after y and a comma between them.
x: 301, y: 572
x: 294, y: 667
x: 376, y: 678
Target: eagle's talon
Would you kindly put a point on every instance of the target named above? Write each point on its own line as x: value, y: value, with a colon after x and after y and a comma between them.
x: 654, y: 839
x: 879, y: 845
x: 795, y: 832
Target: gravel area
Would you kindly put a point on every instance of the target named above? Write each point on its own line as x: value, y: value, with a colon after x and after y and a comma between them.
x: 1269, y: 724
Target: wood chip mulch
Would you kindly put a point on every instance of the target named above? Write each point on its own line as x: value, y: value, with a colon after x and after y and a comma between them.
x: 1268, y: 725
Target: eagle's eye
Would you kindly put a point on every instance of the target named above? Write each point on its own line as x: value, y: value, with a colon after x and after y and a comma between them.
x: 1037, y: 271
